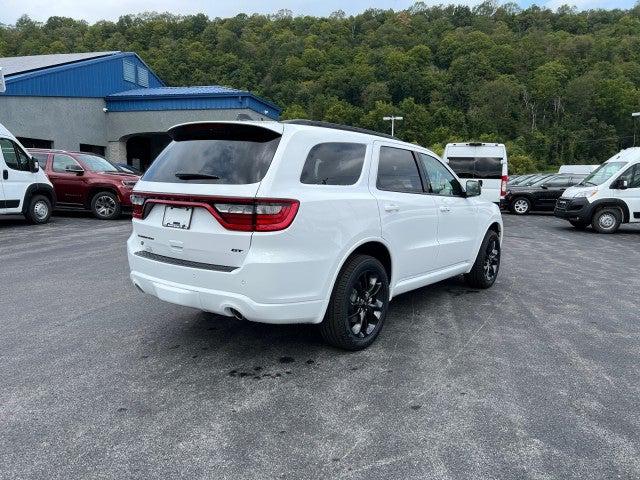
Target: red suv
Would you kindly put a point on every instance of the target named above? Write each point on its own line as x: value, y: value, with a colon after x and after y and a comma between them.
x: 84, y: 181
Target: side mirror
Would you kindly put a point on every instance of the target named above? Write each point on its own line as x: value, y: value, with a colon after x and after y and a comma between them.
x: 474, y: 188
x: 35, y: 166
x: 77, y: 169
x: 621, y: 184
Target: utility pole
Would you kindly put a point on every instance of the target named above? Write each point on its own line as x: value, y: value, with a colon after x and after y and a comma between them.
x: 393, y: 122
x: 634, y: 115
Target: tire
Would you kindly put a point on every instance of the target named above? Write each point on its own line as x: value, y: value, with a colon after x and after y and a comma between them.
x: 360, y: 297
x: 606, y: 220
x: 487, y: 265
x: 39, y: 210
x: 579, y: 225
x: 520, y: 206
x: 105, y: 206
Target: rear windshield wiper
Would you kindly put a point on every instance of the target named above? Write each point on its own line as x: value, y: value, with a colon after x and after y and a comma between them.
x: 196, y: 176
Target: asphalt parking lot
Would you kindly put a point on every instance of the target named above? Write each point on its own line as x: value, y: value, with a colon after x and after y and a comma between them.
x: 535, y: 378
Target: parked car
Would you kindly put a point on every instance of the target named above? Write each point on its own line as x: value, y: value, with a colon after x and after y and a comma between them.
x: 305, y: 222
x: 607, y: 197
x: 482, y: 161
x: 84, y: 181
x: 24, y: 187
x: 541, y: 195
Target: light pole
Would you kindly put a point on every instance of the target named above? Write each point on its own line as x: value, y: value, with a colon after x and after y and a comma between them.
x: 393, y: 122
x: 634, y: 115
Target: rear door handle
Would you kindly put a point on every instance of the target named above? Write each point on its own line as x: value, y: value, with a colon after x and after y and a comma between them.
x: 445, y: 209
x: 391, y: 207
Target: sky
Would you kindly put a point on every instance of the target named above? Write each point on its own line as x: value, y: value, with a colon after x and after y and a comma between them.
x: 94, y: 10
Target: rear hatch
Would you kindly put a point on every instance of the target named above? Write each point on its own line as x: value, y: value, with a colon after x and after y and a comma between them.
x: 197, y: 202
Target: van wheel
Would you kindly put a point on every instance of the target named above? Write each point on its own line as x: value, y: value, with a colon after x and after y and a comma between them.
x: 520, y: 206
x: 606, y: 220
x: 358, y: 304
x: 39, y: 210
x: 578, y: 225
x: 487, y: 264
x: 105, y: 206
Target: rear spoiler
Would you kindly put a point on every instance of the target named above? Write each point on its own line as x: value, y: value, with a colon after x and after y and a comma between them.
x: 240, y: 131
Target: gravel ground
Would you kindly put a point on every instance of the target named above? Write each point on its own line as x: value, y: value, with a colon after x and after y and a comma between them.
x: 535, y: 378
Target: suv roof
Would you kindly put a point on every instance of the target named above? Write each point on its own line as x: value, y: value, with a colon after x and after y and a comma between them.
x: 337, y: 126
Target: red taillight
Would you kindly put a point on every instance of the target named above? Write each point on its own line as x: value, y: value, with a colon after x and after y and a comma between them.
x: 238, y: 214
x: 503, y: 185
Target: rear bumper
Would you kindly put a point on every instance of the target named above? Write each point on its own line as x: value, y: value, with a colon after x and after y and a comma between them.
x: 573, y: 209
x: 222, y: 302
x: 260, y: 292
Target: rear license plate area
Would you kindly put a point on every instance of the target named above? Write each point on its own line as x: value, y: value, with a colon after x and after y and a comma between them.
x: 177, y: 217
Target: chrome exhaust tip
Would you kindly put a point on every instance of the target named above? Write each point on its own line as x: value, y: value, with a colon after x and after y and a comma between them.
x: 236, y: 314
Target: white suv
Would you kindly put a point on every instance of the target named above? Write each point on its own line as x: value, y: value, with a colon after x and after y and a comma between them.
x: 304, y: 222
x: 606, y: 198
x: 24, y: 187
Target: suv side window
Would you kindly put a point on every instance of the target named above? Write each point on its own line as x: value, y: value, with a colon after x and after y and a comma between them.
x: 14, y: 157
x: 61, y: 162
x: 334, y: 163
x: 398, y: 171
x: 441, y: 181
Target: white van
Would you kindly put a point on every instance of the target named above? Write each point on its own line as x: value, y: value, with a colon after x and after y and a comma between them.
x: 24, y: 187
x: 481, y: 161
x: 607, y: 197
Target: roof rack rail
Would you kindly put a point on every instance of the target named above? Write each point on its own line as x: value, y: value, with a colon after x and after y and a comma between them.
x: 336, y: 126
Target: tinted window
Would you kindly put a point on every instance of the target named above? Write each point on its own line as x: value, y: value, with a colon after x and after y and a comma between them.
x: 477, y: 167
x: 13, y: 155
x: 556, y: 182
x: 227, y: 153
x: 333, y: 164
x: 441, y: 181
x: 61, y: 162
x: 632, y: 176
x: 398, y: 171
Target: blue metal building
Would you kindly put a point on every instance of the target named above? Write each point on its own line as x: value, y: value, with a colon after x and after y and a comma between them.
x: 110, y: 103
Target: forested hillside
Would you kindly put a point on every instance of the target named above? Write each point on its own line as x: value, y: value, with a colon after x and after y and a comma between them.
x: 558, y: 87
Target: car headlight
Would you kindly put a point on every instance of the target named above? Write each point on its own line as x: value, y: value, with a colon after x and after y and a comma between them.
x: 585, y: 194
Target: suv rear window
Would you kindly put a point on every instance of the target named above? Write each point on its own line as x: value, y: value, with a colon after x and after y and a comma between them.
x: 215, y: 153
x: 334, y: 164
x: 477, y: 167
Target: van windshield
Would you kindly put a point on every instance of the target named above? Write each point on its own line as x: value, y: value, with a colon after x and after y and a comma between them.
x: 603, y: 173
x: 215, y: 153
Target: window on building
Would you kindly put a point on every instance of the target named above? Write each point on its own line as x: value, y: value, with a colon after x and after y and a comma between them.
x: 334, y: 164
x: 398, y: 171
x: 129, y: 71
x: 14, y: 156
x: 97, y: 149
x: 35, y: 142
x: 143, y: 77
